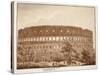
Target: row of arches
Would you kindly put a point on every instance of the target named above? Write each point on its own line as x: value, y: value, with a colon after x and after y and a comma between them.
x: 57, y: 38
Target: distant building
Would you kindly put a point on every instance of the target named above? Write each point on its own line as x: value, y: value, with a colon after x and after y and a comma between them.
x: 47, y: 41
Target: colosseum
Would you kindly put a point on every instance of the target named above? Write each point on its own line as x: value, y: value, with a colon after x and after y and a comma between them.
x: 40, y: 44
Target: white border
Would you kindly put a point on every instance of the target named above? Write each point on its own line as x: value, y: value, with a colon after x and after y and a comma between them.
x: 56, y: 69
x: 48, y: 69
x: 15, y: 35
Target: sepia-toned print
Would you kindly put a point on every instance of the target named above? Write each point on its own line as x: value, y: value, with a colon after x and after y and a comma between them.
x: 50, y: 36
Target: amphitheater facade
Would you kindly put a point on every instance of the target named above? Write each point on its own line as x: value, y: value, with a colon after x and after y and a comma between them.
x: 46, y: 42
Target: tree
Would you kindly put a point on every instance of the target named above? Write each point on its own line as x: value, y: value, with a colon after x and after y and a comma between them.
x: 70, y: 53
x: 57, y: 57
x: 67, y: 50
x: 88, y: 57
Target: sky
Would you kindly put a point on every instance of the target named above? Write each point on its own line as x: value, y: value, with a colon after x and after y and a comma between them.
x: 29, y: 14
